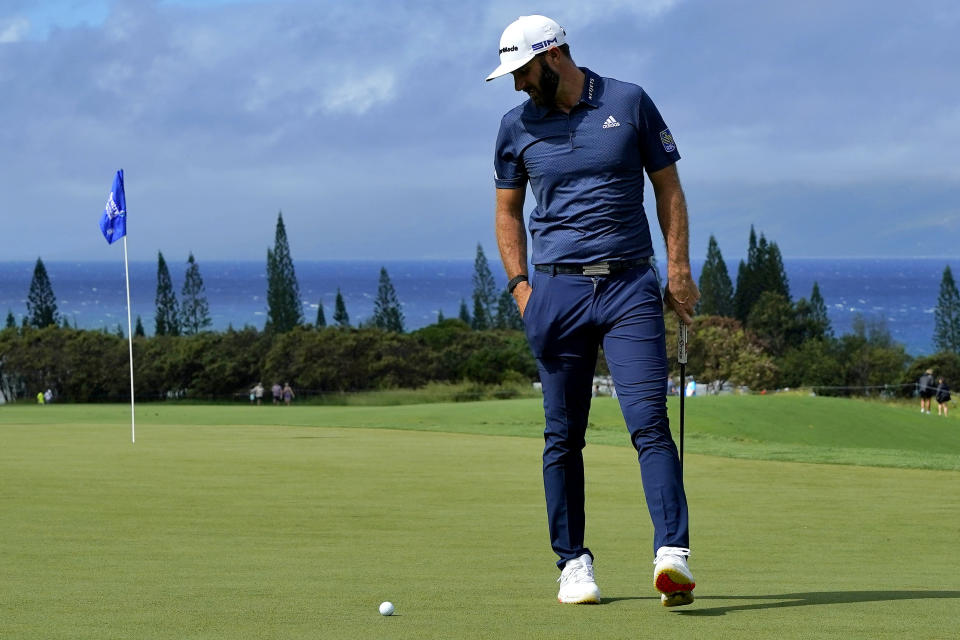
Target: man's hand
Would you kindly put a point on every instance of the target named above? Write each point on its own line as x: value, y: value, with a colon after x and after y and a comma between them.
x: 521, y: 294
x: 681, y: 295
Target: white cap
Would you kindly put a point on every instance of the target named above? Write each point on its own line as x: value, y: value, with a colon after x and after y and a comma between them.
x: 523, y: 39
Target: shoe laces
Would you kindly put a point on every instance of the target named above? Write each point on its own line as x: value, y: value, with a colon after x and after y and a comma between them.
x: 576, y: 571
x: 679, y: 552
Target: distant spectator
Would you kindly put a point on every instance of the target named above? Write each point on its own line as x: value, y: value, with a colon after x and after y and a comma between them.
x: 596, y: 390
x: 48, y: 396
x: 39, y: 397
x: 927, y: 390
x: 288, y: 394
x: 256, y: 394
x: 671, y: 387
x: 277, y: 391
x: 943, y: 398
x: 691, y: 389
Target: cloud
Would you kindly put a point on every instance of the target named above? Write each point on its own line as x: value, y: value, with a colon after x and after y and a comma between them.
x: 13, y: 29
x: 371, y: 126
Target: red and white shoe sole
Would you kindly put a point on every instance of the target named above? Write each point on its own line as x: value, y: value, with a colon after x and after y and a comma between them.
x: 670, y: 581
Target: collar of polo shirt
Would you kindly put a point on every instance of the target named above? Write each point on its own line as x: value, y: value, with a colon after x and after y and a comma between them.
x: 592, y: 86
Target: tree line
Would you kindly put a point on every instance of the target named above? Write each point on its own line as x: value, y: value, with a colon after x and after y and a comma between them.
x: 750, y: 334
x: 754, y: 334
x: 92, y: 366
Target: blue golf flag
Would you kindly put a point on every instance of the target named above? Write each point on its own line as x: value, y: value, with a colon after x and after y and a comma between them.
x: 113, y: 223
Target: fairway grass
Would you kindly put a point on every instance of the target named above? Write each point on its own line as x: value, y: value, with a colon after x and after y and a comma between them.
x: 218, y: 524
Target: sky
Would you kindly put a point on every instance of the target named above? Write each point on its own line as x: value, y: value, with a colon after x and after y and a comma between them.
x: 832, y: 127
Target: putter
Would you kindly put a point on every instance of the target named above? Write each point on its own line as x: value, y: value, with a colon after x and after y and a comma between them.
x: 682, y: 360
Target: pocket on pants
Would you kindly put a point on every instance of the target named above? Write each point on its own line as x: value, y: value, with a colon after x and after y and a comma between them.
x: 531, y: 325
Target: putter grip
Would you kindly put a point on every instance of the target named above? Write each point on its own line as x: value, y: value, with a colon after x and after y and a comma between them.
x: 682, y: 343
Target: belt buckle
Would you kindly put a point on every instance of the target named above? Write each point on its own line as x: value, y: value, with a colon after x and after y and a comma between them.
x: 597, y: 269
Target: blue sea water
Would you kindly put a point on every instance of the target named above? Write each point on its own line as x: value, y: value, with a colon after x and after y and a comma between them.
x: 900, y: 292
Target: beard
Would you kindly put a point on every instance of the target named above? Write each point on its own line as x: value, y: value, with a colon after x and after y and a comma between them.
x: 546, y: 95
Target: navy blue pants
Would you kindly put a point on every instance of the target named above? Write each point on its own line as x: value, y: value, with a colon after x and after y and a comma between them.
x: 567, y: 318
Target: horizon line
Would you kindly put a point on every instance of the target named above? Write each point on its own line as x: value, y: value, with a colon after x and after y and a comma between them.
x: 494, y: 258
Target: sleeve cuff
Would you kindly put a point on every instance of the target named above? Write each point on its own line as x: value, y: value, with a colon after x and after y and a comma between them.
x: 509, y: 184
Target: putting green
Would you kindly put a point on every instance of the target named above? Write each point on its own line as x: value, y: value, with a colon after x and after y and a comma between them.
x: 207, y: 530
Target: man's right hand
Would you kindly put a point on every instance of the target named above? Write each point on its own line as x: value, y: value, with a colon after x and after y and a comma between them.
x: 522, y: 294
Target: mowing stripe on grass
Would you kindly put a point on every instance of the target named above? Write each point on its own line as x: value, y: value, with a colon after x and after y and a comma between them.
x: 202, y: 531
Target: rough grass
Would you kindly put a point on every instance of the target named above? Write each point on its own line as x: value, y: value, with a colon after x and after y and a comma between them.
x: 780, y: 427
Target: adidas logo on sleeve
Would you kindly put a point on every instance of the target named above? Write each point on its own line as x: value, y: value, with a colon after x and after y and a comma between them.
x: 610, y: 122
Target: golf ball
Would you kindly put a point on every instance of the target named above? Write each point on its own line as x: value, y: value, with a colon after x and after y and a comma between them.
x: 386, y: 608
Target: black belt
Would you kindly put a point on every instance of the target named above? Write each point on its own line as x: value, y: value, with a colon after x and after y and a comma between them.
x: 605, y: 268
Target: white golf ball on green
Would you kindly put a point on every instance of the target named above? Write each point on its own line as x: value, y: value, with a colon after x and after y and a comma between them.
x: 386, y: 608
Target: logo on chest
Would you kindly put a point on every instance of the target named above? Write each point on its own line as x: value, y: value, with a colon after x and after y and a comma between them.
x: 610, y: 122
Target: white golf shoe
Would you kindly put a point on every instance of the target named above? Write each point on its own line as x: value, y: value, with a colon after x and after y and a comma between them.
x: 672, y: 577
x: 577, y: 585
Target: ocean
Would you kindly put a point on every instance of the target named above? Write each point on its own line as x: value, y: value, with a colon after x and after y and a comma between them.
x: 899, y: 292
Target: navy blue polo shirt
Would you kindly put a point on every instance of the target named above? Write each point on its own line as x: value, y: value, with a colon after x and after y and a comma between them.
x: 586, y: 170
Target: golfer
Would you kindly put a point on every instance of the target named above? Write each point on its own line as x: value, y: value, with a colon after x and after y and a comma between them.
x: 583, y: 142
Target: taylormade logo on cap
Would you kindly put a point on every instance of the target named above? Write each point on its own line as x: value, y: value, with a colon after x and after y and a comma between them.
x: 523, y: 39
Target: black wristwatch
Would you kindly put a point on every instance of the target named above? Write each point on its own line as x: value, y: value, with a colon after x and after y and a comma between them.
x: 515, y: 281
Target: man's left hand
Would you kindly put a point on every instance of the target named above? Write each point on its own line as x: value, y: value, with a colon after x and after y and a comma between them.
x: 681, y: 295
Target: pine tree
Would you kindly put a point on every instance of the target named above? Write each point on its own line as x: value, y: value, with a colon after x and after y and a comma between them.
x: 11, y: 320
x: 284, y: 308
x: 508, y: 315
x: 479, y: 321
x: 119, y: 331
x: 138, y: 329
x: 41, y: 303
x: 774, y: 275
x: 946, y: 333
x: 762, y: 272
x: 484, y: 291
x: 340, y: 316
x: 818, y: 312
x: 440, y: 317
x: 747, y: 289
x: 716, y: 289
x: 321, y: 319
x: 464, y: 312
x: 194, y: 310
x: 386, y: 307
x: 167, y: 320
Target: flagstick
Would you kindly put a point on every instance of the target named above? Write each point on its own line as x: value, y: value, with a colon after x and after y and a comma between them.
x: 126, y: 269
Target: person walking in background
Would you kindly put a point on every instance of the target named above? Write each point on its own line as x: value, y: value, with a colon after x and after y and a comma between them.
x: 257, y: 393
x: 288, y: 394
x: 277, y: 392
x: 582, y: 142
x: 943, y: 398
x: 927, y: 390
